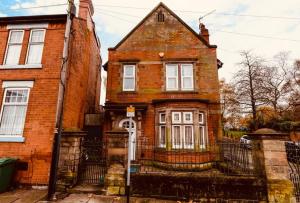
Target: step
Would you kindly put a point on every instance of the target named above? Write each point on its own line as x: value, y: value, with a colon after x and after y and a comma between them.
x: 86, y: 188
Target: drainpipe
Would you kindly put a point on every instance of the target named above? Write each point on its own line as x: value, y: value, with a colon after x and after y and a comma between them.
x: 60, y: 104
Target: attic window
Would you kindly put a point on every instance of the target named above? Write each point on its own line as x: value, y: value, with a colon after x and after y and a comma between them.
x: 160, y: 17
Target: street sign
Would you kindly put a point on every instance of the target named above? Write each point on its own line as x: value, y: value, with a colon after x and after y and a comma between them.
x: 130, y: 111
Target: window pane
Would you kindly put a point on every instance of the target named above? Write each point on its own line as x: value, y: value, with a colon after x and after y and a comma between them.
x: 176, y: 117
x: 128, y: 70
x: 35, y: 54
x: 188, y: 133
x: 176, y: 137
x: 16, y: 96
x: 188, y: 117
x: 37, y: 36
x: 128, y: 84
x: 187, y: 83
x: 13, y: 118
x: 171, y: 71
x: 13, y: 54
x: 203, y: 137
x: 172, y: 83
x: 162, y: 118
x: 201, y: 118
x: 162, y: 136
x: 187, y: 70
x: 16, y: 37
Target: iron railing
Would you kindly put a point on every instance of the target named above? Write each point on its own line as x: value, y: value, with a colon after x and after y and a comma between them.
x: 236, y: 158
x: 228, y: 157
x: 293, y: 157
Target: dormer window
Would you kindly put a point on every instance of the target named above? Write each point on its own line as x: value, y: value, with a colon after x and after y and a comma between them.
x: 160, y: 17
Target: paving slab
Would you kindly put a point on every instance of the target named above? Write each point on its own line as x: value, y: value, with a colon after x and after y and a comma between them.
x: 92, y: 198
x: 22, y: 196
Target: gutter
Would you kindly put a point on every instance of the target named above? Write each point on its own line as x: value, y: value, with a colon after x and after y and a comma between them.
x: 60, y: 104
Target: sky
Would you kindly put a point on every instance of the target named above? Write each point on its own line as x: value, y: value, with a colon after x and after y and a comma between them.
x: 266, y: 27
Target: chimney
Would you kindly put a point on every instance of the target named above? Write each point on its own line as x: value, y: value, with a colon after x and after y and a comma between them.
x: 86, y: 9
x: 204, y: 32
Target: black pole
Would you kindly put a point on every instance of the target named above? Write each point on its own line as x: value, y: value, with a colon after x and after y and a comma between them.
x: 59, y: 123
x: 128, y: 193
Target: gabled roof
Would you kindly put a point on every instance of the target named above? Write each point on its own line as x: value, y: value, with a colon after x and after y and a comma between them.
x: 174, y: 15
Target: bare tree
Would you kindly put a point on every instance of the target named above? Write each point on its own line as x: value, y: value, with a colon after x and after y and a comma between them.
x: 276, y: 81
x: 248, y: 82
x: 294, y: 85
x: 229, y: 104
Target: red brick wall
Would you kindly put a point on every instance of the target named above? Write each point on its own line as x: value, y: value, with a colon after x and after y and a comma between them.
x: 83, y: 88
x: 41, y: 111
x: 178, y: 44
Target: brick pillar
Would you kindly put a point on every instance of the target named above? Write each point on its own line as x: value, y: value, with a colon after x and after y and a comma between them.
x: 69, y: 158
x: 270, y: 162
x: 117, y: 151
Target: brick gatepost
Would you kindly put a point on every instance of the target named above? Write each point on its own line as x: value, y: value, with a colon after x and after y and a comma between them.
x: 270, y: 162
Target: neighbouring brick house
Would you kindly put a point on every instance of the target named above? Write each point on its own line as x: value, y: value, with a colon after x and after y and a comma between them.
x: 31, y: 60
x: 169, y: 73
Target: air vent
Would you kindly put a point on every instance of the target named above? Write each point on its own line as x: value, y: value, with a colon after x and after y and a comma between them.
x: 160, y: 17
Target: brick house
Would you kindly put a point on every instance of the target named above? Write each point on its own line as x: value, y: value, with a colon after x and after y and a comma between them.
x: 31, y: 75
x: 169, y: 73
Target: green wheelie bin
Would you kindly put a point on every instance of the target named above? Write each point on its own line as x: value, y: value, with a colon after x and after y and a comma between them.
x: 7, y: 170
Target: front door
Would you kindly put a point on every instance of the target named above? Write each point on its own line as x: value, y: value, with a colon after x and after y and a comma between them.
x: 125, y: 124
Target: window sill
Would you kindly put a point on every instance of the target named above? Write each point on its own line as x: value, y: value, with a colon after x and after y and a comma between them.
x: 12, y: 139
x: 25, y: 66
x: 181, y: 92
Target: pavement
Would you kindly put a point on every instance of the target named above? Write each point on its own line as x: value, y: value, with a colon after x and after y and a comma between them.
x: 23, y: 196
x: 38, y: 196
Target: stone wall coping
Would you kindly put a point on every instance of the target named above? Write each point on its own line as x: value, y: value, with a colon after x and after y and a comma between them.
x: 269, y: 136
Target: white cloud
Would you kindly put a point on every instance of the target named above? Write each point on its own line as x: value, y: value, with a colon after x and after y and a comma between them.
x: 2, y: 14
x: 114, y: 21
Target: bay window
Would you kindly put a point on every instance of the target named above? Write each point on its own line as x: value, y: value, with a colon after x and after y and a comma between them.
x: 185, y: 130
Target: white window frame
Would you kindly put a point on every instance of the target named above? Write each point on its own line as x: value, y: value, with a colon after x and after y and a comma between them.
x: 191, y: 116
x: 172, y: 77
x: 34, y: 43
x: 186, y: 146
x: 173, y: 116
x: 180, y: 138
x: 160, y: 117
x: 202, y: 127
x: 8, y: 44
x: 129, y: 77
x: 203, y: 139
x: 182, y: 77
x: 14, y: 104
x: 160, y: 135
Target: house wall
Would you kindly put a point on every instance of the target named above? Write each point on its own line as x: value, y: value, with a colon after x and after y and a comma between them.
x: 83, y: 86
x: 39, y: 127
x: 178, y: 44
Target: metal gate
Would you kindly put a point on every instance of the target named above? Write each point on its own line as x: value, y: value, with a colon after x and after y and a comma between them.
x: 93, y: 166
x: 293, y: 156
